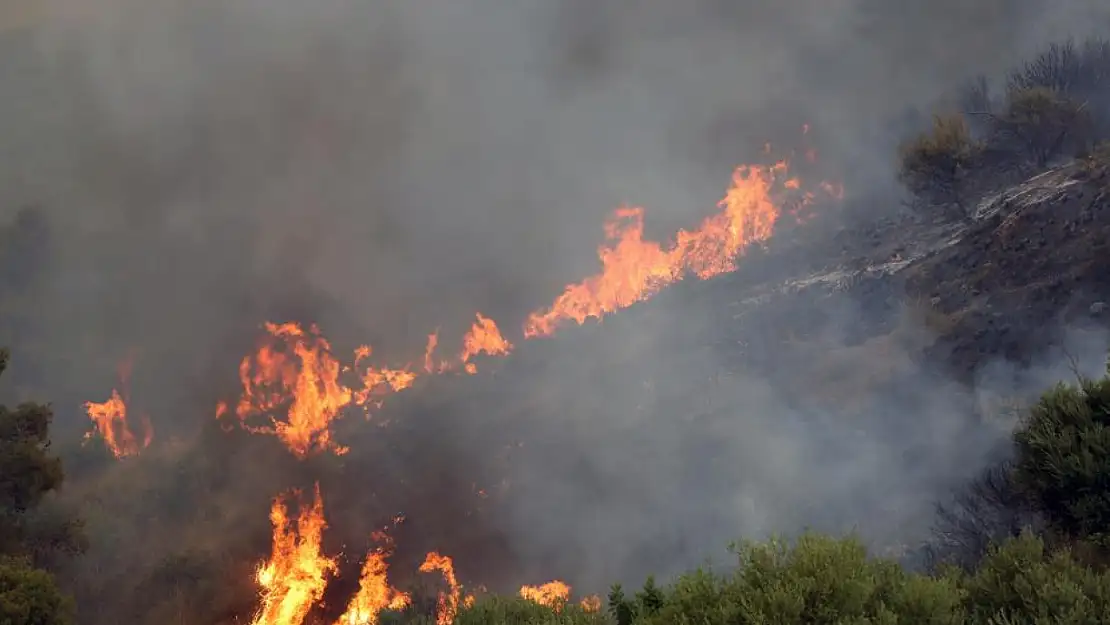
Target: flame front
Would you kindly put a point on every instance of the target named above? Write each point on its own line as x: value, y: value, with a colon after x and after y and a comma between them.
x: 294, y: 578
x: 554, y: 594
x: 447, y: 604
x: 111, y: 420
x: 633, y: 269
x: 374, y: 592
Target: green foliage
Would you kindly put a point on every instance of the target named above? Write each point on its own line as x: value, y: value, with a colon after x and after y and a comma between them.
x: 29, y: 596
x: 1064, y: 457
x: 815, y: 580
x: 491, y: 610
x: 1022, y: 582
x: 27, y: 470
x: 935, y: 164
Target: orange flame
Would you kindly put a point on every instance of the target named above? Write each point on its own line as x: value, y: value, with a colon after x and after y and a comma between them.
x: 294, y: 578
x: 304, y: 377
x: 553, y: 594
x: 447, y: 604
x: 374, y: 592
x: 591, y: 603
x: 111, y: 422
x: 484, y: 337
x: 634, y: 269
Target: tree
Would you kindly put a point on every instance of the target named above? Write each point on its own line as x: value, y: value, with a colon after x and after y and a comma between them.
x: 934, y: 165
x: 27, y: 470
x: 29, y: 596
x: 1063, y: 457
x: 1039, y: 125
x: 1021, y: 582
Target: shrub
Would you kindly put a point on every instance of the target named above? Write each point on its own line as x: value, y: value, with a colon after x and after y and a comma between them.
x: 934, y: 165
x: 1022, y: 582
x: 1039, y: 125
x: 29, y: 596
x: 816, y: 580
x: 1063, y: 457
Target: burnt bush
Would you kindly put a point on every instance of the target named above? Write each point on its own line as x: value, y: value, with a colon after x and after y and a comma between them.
x: 935, y: 165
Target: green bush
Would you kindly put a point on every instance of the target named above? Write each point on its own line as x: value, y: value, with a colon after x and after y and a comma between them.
x: 29, y: 596
x: 935, y: 164
x: 1022, y: 582
x: 1063, y: 457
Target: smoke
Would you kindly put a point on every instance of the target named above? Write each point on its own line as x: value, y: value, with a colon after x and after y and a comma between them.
x: 391, y: 167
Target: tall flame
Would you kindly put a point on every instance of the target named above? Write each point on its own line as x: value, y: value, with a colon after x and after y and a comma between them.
x: 447, y: 604
x: 110, y: 419
x: 374, y: 592
x: 294, y: 578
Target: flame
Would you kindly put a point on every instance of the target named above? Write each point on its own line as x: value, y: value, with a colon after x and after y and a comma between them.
x: 293, y: 580
x: 304, y: 378
x: 111, y: 422
x: 374, y: 592
x: 380, y: 381
x: 447, y: 604
x: 553, y: 594
x: 484, y: 337
x: 634, y: 269
x: 591, y: 603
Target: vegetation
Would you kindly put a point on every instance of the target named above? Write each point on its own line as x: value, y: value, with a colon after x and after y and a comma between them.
x: 29, y: 595
x: 1053, y: 107
x: 1027, y: 541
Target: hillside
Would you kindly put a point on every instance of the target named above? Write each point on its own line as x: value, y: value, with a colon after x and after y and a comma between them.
x: 801, y: 362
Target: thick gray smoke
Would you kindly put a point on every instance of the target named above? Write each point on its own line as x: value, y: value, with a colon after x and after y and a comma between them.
x: 389, y: 167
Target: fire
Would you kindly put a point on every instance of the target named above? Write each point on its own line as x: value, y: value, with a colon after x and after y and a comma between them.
x: 111, y: 421
x: 484, y: 337
x: 553, y: 594
x: 591, y: 603
x: 374, y: 592
x: 634, y: 269
x: 447, y: 605
x: 303, y: 378
x: 294, y: 578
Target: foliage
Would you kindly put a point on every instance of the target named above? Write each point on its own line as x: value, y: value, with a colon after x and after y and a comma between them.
x: 27, y: 470
x: 1064, y: 457
x: 1039, y: 125
x: 1022, y: 582
x: 29, y: 596
x: 935, y: 164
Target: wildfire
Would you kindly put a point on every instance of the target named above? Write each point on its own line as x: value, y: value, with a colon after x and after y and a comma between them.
x: 294, y: 578
x: 552, y: 594
x: 374, y: 592
x: 447, y: 604
x: 111, y: 421
x: 300, y: 376
x: 633, y: 269
x: 484, y: 337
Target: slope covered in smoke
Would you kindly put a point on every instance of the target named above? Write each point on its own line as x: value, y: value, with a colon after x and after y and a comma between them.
x: 203, y: 167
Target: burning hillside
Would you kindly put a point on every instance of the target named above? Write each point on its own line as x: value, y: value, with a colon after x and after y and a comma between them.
x: 296, y: 386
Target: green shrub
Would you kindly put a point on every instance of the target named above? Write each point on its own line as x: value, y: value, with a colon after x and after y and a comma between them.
x: 1022, y: 582
x: 30, y: 596
x: 935, y: 164
x: 815, y: 580
x: 1063, y: 457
